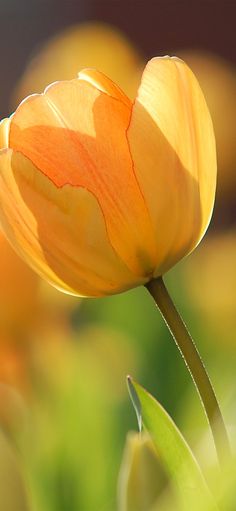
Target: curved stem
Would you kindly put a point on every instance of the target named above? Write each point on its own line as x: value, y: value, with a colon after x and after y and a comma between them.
x: 194, y: 364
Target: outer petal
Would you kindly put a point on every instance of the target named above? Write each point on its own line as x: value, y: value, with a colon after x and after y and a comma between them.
x: 104, y: 84
x: 60, y: 232
x: 172, y: 144
x: 76, y: 134
x: 4, y: 133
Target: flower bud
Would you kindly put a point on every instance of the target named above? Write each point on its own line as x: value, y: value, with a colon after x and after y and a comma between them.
x: 141, y: 479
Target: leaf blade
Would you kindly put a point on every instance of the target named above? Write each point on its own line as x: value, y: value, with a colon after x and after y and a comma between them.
x: 176, y: 455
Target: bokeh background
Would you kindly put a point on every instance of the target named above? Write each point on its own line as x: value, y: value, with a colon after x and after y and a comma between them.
x: 64, y: 406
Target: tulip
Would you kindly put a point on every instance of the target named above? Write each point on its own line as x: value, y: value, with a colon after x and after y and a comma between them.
x: 99, y: 194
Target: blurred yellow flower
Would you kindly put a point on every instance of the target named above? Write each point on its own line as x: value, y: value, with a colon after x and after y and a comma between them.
x: 217, y: 77
x: 14, y: 361
x: 26, y: 300
x: 27, y: 304
x: 18, y: 290
x: 211, y: 276
x: 91, y: 44
x: 100, y: 195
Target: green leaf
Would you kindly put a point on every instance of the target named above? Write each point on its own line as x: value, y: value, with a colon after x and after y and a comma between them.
x: 179, y: 461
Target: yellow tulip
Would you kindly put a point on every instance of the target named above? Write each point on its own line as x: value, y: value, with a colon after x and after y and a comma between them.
x: 99, y: 194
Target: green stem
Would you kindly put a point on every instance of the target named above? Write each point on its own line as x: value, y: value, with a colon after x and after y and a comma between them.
x: 194, y: 364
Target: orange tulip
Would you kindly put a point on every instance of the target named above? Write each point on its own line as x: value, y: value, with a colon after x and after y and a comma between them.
x: 99, y: 194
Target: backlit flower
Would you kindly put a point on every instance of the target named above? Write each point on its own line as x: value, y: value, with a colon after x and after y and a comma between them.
x: 99, y: 194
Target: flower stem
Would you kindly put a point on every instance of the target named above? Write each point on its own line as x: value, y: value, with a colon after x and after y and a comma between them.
x: 194, y: 364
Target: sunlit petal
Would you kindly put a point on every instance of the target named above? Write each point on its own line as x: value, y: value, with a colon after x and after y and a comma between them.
x: 60, y: 232
x: 4, y: 133
x: 83, y: 135
x: 173, y: 148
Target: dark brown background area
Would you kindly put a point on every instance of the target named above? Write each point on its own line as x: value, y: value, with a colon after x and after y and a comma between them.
x: 156, y: 27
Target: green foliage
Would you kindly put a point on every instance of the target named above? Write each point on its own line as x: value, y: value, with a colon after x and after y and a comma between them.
x: 185, y: 474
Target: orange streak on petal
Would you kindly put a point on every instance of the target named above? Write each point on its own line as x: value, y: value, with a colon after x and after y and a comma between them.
x: 60, y: 232
x: 76, y: 134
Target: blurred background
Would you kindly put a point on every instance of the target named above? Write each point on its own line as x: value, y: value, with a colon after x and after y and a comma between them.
x: 64, y: 406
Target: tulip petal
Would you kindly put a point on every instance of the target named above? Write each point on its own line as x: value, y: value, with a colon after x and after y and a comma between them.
x: 4, y: 133
x: 173, y: 147
x: 82, y: 131
x: 61, y: 233
x: 104, y: 84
